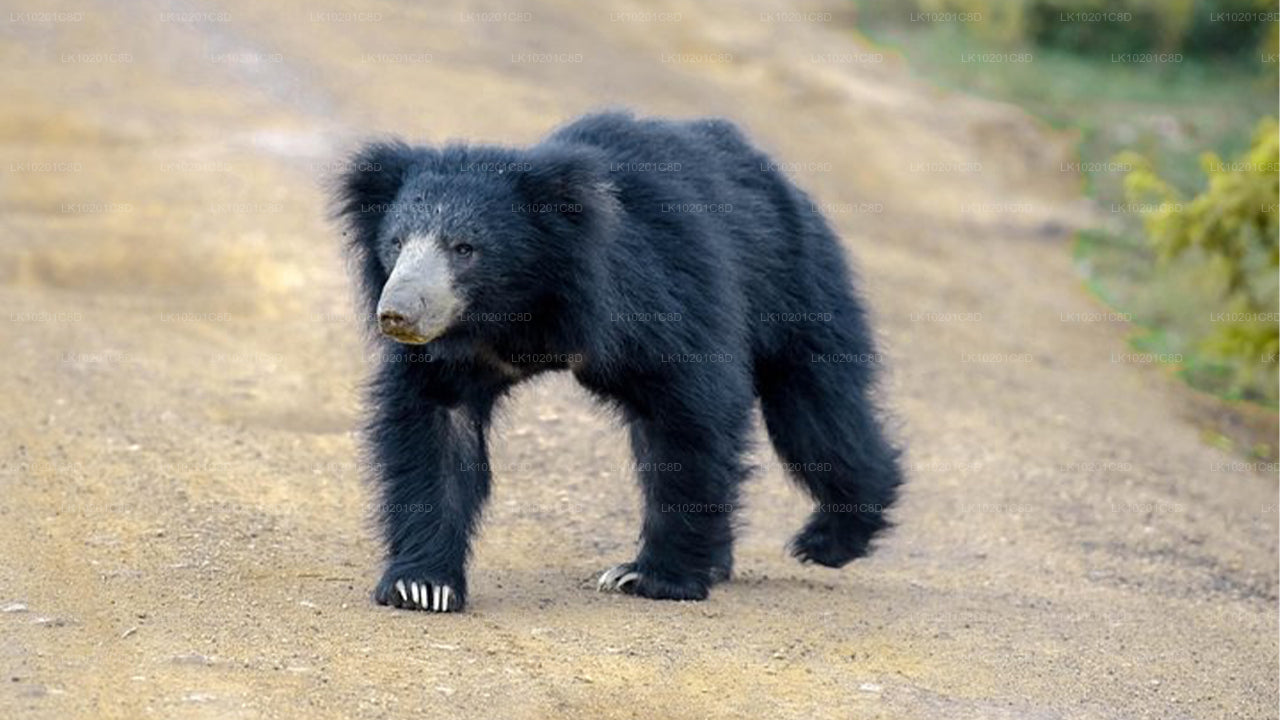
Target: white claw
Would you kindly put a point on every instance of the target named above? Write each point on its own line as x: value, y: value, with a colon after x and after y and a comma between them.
x: 400, y: 589
x: 616, y: 577
x: 446, y: 597
x: 606, y: 580
x: 435, y: 598
x: 416, y: 599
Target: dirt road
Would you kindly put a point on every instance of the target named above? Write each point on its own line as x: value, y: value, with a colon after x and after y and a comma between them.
x: 184, y: 532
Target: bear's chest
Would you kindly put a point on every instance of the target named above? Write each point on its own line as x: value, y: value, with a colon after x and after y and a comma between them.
x: 519, y: 365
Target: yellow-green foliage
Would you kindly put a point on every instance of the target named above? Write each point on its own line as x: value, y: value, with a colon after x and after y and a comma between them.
x: 1101, y: 26
x: 1235, y: 227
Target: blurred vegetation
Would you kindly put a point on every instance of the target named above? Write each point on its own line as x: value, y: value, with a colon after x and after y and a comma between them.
x: 1197, y: 272
x: 1200, y: 28
x: 1229, y: 233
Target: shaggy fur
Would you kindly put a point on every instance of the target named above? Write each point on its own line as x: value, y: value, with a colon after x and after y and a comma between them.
x: 680, y: 277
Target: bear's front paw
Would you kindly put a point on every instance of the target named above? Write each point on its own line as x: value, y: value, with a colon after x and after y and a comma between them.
x: 417, y: 591
x: 631, y: 579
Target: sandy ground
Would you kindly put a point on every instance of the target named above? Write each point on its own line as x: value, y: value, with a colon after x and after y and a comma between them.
x: 184, y: 531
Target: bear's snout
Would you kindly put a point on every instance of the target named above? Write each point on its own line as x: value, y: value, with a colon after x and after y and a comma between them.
x: 418, y: 302
x: 423, y: 325
x: 394, y: 324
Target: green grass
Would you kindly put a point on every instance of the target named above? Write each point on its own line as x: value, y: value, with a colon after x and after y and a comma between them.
x: 1171, y: 113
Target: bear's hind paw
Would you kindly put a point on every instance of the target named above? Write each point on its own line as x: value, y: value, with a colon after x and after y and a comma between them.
x: 628, y: 578
x: 617, y: 578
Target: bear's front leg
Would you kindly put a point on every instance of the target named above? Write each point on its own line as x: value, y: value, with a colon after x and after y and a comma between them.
x: 688, y: 458
x: 432, y: 466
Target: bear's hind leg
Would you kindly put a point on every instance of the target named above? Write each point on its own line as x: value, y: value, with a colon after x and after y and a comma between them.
x: 689, y: 462
x: 824, y: 427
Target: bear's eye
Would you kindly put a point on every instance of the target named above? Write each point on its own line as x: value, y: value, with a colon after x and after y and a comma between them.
x: 396, y: 242
x: 463, y: 249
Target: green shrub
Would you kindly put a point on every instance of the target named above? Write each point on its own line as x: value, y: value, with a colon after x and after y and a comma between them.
x: 1232, y: 231
x: 1203, y: 28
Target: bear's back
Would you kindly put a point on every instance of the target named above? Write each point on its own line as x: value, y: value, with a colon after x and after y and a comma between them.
x: 643, y: 143
x: 702, y: 184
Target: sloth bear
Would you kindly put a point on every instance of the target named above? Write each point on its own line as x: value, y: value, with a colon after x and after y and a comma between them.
x: 676, y: 273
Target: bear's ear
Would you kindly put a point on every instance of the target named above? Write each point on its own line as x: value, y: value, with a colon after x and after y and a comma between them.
x: 569, y: 183
x: 363, y: 195
x: 368, y: 185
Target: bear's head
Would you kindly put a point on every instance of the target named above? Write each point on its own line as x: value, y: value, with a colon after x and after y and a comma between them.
x: 471, y: 240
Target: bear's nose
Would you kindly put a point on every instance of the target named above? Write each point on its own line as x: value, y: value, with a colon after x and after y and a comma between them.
x: 390, y: 320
